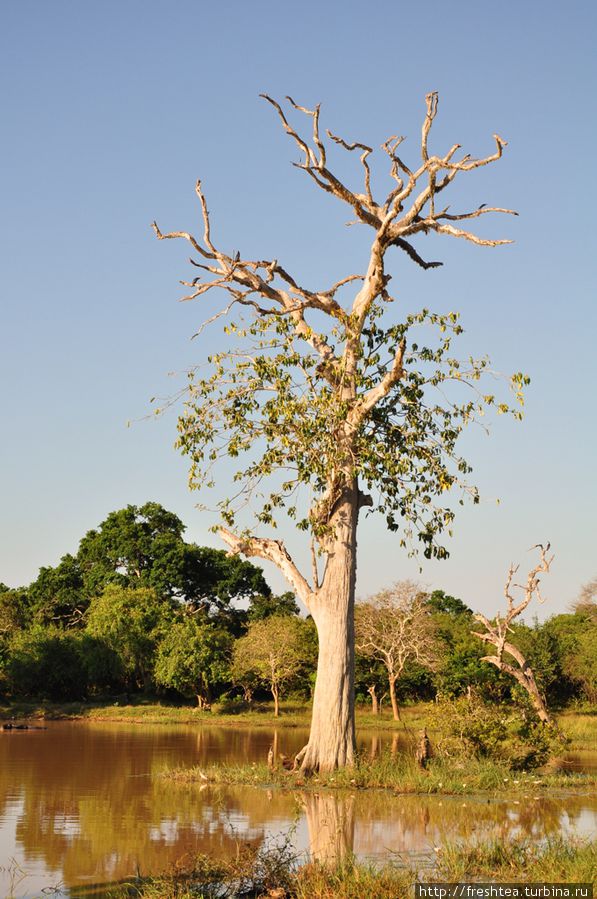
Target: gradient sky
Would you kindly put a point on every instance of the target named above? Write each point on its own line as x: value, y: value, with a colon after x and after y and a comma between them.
x: 111, y: 110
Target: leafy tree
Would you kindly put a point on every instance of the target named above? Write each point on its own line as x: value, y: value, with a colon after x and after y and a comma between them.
x: 58, y: 594
x: 540, y: 647
x: 394, y: 627
x: 459, y: 666
x: 47, y: 662
x: 271, y: 653
x: 143, y: 546
x: 262, y: 606
x: 575, y: 636
x: 104, y: 665
x: 441, y: 602
x: 123, y: 549
x: 193, y: 658
x: 332, y: 395
x: 13, y: 611
x: 131, y: 622
x: 583, y: 666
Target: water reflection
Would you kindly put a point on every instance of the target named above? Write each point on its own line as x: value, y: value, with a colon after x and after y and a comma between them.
x: 79, y: 804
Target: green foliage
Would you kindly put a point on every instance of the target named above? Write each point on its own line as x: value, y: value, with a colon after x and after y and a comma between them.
x: 460, y: 665
x: 123, y: 549
x: 104, y: 665
x: 575, y: 636
x: 268, y: 398
x: 46, y: 662
x: 262, y: 606
x: 143, y: 547
x: 14, y: 611
x: 541, y: 650
x: 443, y: 603
x: 193, y: 658
x: 509, y: 734
x: 58, y: 595
x: 131, y: 623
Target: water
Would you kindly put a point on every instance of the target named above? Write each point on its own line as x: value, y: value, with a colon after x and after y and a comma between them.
x: 80, y: 804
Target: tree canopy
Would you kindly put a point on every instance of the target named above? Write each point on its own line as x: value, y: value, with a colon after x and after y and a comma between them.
x: 143, y: 546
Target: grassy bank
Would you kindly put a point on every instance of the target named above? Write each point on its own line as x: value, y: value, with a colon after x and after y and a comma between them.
x: 581, y: 727
x: 398, y: 773
x: 293, y: 714
x: 275, y: 873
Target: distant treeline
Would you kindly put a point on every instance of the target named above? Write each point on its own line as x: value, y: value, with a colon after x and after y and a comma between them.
x: 138, y: 610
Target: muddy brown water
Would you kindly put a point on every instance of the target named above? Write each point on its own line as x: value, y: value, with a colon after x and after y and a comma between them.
x: 80, y: 804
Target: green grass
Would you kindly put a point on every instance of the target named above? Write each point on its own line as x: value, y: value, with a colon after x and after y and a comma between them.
x: 580, y: 727
x: 275, y: 872
x: 557, y: 860
x: 146, y: 711
x: 398, y: 773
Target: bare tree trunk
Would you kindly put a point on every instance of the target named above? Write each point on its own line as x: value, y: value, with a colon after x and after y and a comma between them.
x: 395, y: 709
x: 332, y: 741
x: 374, y: 701
x: 276, y: 695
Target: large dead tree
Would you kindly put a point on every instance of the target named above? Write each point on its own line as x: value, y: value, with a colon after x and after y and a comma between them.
x: 331, y: 396
x: 394, y: 627
x: 497, y: 631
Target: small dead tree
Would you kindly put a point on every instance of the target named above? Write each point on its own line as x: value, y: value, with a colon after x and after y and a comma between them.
x: 497, y: 630
x: 394, y: 627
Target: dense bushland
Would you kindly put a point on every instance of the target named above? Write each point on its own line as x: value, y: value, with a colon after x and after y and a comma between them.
x: 139, y: 611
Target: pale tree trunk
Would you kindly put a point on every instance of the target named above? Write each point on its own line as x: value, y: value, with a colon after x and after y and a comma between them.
x: 276, y: 695
x: 332, y: 742
x: 395, y: 709
x: 374, y: 701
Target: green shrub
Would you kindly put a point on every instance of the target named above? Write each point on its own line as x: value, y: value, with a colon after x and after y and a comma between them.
x: 470, y: 727
x: 46, y: 662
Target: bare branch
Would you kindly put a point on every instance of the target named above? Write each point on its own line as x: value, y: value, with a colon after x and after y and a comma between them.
x: 410, y: 251
x: 273, y: 551
x: 366, y: 152
x: 496, y: 631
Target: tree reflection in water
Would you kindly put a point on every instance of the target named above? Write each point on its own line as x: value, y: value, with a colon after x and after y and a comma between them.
x: 330, y: 821
x: 83, y: 803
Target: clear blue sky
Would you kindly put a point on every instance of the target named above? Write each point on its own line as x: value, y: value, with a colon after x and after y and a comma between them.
x: 111, y: 110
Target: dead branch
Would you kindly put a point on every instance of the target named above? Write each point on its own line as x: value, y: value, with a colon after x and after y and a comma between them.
x: 497, y: 630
